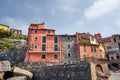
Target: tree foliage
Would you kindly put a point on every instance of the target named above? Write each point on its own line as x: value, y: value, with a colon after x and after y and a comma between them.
x: 5, y: 45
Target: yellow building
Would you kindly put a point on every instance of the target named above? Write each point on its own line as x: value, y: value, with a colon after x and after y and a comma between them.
x: 93, y: 40
x: 102, y: 50
x: 4, y: 27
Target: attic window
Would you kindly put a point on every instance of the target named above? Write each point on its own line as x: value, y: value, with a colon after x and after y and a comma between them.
x: 68, y: 38
x: 48, y: 31
x: 36, y: 31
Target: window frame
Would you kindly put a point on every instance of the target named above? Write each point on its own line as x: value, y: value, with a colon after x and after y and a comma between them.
x: 69, y: 46
x: 84, y: 47
x: 36, y: 31
x: 43, y: 39
x: 35, y: 46
x: 55, y: 47
x: 55, y: 39
x: 43, y: 56
x: 55, y: 56
x: 44, y: 48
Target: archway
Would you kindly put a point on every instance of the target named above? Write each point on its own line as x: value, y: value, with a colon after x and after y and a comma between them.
x: 115, y: 65
x: 99, y: 72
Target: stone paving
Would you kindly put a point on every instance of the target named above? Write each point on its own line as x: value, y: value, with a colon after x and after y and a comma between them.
x: 115, y: 76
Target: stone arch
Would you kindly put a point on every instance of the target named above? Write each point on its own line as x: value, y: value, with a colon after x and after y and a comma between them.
x: 99, y: 71
x: 99, y: 67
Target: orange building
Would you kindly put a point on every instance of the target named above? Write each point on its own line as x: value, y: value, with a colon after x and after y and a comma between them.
x: 16, y: 32
x: 43, y: 45
x: 87, y: 47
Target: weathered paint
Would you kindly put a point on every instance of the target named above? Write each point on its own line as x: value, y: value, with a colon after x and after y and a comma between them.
x: 34, y: 55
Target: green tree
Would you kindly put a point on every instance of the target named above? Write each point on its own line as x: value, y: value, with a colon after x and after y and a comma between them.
x: 5, y: 45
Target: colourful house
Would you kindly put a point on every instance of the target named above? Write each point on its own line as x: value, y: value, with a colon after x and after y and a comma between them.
x: 4, y: 27
x: 112, y: 48
x: 16, y: 32
x: 43, y: 45
x: 87, y: 47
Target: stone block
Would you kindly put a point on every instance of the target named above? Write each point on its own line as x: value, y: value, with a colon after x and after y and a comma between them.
x: 18, y: 78
x: 5, y: 66
x: 1, y: 75
x: 22, y: 72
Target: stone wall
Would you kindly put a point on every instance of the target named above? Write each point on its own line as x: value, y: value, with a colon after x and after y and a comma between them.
x: 16, y: 55
x: 63, y: 72
x: 71, y: 57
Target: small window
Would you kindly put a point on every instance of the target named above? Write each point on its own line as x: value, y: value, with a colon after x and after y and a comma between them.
x: 108, y: 47
x: 36, y: 38
x: 44, y: 39
x: 68, y: 54
x: 55, y: 56
x: 119, y: 37
x: 114, y: 39
x: 84, y: 47
x: 93, y: 48
x: 35, y: 46
x: 92, y: 38
x: 36, y: 31
x: 55, y: 39
x: 55, y: 47
x: 43, y: 56
x: 43, y: 47
x: 68, y: 46
x: 112, y: 58
x: 118, y: 57
x: 68, y: 38
x: 48, y: 31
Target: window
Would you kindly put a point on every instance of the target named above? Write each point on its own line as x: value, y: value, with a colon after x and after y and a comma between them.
x: 117, y: 57
x: 84, y: 47
x: 36, y: 38
x: 68, y: 38
x: 55, y: 47
x: 92, y: 38
x: 55, y: 39
x: 36, y: 31
x: 84, y: 57
x: 43, y: 47
x: 35, y: 46
x: 108, y: 47
x: 44, y: 39
x: 114, y: 39
x: 43, y: 56
x: 119, y: 37
x: 68, y: 54
x: 68, y: 46
x: 112, y: 58
x: 55, y: 56
x: 48, y: 31
x: 93, y: 48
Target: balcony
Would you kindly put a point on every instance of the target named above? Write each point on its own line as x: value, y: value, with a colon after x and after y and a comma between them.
x: 112, y: 50
x: 46, y: 51
x: 115, y: 61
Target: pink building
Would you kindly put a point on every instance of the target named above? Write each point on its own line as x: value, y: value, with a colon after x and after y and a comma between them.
x: 43, y: 45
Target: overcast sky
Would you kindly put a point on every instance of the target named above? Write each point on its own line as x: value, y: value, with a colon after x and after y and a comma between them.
x: 65, y: 16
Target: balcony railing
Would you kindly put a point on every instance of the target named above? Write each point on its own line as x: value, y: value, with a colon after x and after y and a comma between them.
x: 46, y: 51
x: 112, y: 50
